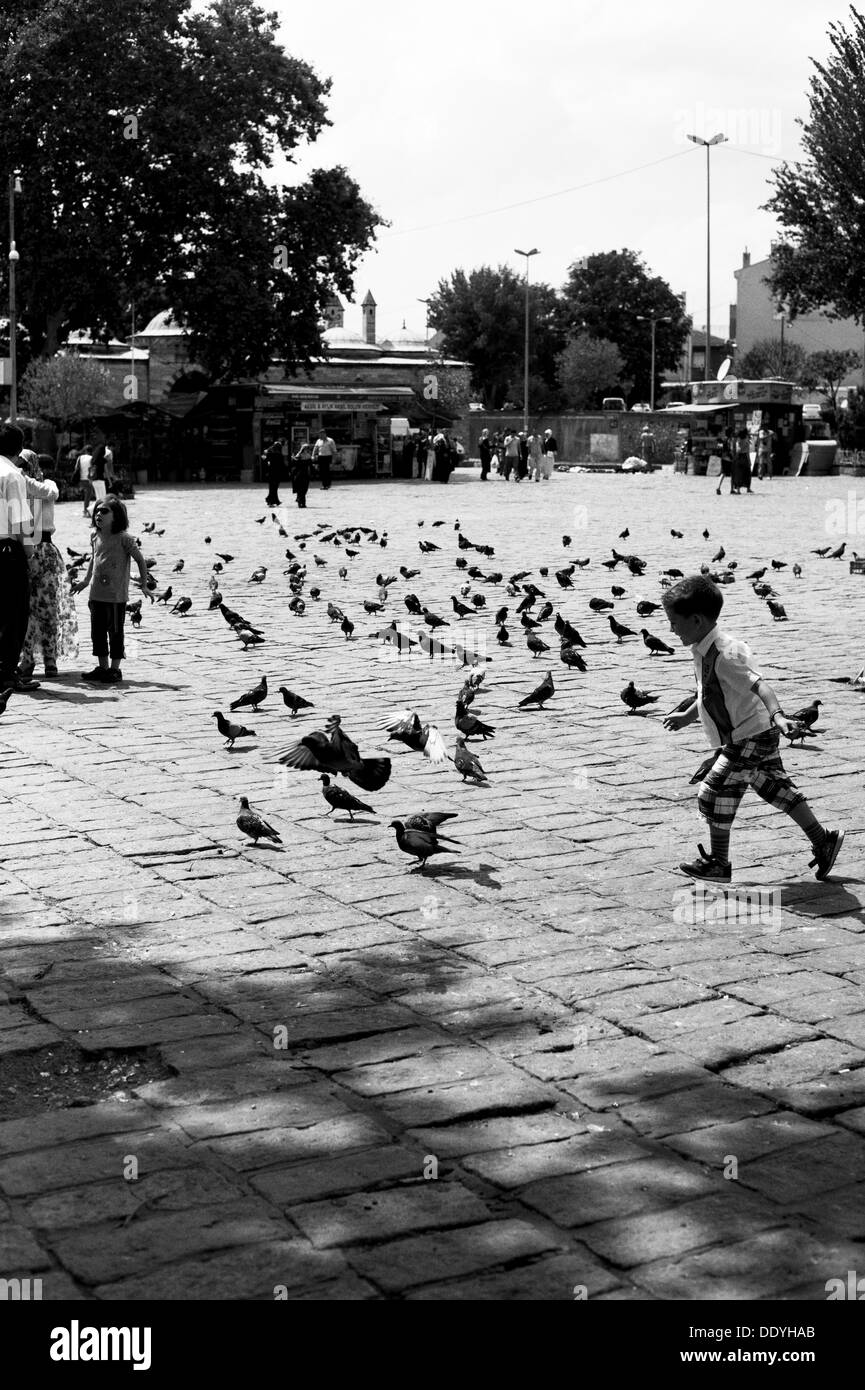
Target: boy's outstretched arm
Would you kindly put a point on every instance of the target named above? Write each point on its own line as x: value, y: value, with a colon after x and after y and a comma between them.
x: 679, y: 718
x: 764, y: 692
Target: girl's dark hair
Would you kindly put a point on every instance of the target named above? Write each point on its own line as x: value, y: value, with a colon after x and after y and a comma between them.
x: 120, y: 516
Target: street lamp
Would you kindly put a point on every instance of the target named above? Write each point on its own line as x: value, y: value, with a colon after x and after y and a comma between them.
x: 715, y: 140
x: 528, y: 255
x: 14, y: 187
x: 782, y: 316
x: 650, y: 318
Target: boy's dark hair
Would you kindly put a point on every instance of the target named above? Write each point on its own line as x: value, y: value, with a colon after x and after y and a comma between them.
x: 694, y: 594
x: 120, y: 516
x: 11, y: 440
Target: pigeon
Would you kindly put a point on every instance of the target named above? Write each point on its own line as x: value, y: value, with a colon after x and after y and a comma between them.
x: 234, y: 620
x: 297, y: 606
x: 757, y: 575
x: 808, y: 715
x: 462, y: 610
x: 567, y: 632
x: 294, y: 702
x: 164, y: 596
x: 227, y: 558
x: 570, y: 656
x: 503, y: 637
x: 471, y: 686
x: 599, y: 604
x: 636, y: 699
x: 674, y: 574
x: 136, y: 618
x: 229, y: 730
x: 778, y: 611
x: 837, y: 552
x: 413, y: 604
x: 338, y: 799
x: 779, y: 564
x: 421, y: 843
x: 609, y: 564
x: 470, y: 725
x: 252, y: 697
x: 479, y: 601
x: 527, y: 603
x: 583, y: 563
x: 433, y: 620
x: 406, y: 727
x: 797, y: 570
x: 623, y: 535
x: 347, y: 627
x: 182, y: 605
x: 619, y: 630
x: 529, y: 623
x: 646, y: 608
x: 149, y: 527
x: 546, y: 612
x: 248, y: 638
x: 764, y: 591
x: 655, y: 644
x: 467, y: 763
x: 541, y: 693
x: 566, y: 540
x: 371, y: 606
x: 427, y: 546
x: 677, y: 534
x: 822, y: 553
x: 258, y: 576
x: 254, y: 826
x: 333, y: 751
x: 617, y: 591
x: 335, y: 614
x: 178, y: 567
x: 501, y: 615
x: 343, y: 574
x: 563, y: 577
x: 705, y: 535
x: 215, y: 600
x: 535, y: 645
x: 408, y: 574
x: 719, y: 555
x: 262, y: 519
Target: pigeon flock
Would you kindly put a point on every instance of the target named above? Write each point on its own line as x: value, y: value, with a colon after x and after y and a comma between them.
x: 510, y: 619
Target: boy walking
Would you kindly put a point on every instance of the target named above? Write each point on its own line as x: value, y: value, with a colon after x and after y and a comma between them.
x: 742, y: 718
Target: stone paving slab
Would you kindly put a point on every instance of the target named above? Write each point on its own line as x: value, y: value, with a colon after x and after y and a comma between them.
x: 516, y: 1074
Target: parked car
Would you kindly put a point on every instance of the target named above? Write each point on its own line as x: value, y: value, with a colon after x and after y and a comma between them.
x: 613, y: 403
x: 641, y: 405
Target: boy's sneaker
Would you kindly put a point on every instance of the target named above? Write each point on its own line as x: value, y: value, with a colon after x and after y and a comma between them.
x: 707, y: 866
x: 825, y: 856
x: 114, y: 674
x: 98, y: 674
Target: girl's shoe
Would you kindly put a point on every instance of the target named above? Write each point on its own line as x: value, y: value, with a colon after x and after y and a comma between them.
x: 98, y: 674
x: 51, y: 670
x: 707, y: 866
x: 114, y: 675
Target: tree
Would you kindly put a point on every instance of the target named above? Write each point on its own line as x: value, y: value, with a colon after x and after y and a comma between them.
x: 825, y: 371
x: 589, y: 369
x: 604, y: 296
x: 64, y: 389
x: 481, y: 316
x: 767, y: 360
x: 820, y: 202
x: 143, y: 132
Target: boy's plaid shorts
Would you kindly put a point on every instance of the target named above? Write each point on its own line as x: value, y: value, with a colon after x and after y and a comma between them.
x: 755, y: 763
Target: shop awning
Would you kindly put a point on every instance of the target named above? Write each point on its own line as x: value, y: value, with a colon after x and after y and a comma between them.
x: 179, y: 405
x: 335, y: 398
x: 708, y: 409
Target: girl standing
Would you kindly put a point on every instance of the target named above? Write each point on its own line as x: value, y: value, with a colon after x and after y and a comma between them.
x: 300, y: 473
x: 112, y: 551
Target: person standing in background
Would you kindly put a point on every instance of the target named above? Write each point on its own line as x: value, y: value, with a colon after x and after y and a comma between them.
x: 408, y: 454
x: 324, y: 454
x: 551, y: 449
x: 485, y: 451
x: 274, y: 460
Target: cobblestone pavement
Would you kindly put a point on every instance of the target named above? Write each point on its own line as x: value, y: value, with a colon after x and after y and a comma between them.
x: 545, y: 1068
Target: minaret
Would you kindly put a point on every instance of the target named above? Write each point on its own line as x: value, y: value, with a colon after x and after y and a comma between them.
x: 333, y: 312
x: 368, y: 308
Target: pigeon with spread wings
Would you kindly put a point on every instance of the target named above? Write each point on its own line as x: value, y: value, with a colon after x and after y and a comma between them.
x: 333, y: 751
x: 406, y: 727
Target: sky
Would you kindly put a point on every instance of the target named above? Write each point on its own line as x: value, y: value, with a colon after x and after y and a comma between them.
x: 451, y: 114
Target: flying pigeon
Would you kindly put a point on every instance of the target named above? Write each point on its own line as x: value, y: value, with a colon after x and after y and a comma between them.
x: 406, y: 727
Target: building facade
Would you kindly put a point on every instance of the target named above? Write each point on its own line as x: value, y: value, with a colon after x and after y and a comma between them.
x: 757, y: 317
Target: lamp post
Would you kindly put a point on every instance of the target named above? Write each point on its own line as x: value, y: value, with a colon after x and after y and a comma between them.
x: 715, y: 140
x: 528, y: 255
x: 14, y: 187
x: 426, y: 341
x: 653, y: 320
x: 782, y: 315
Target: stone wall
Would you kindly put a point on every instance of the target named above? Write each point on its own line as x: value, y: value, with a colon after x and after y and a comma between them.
x: 584, y: 438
